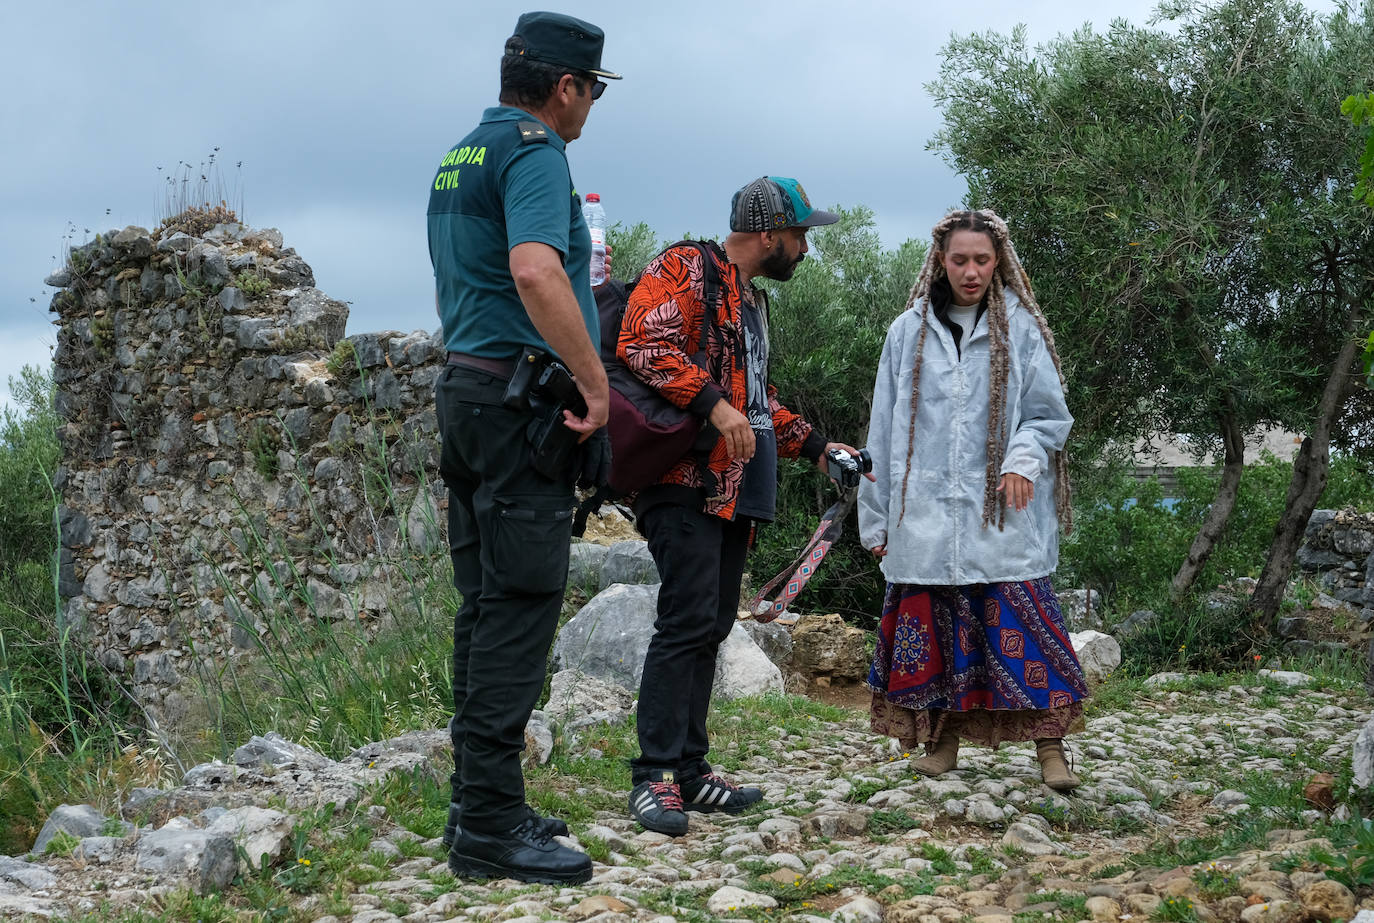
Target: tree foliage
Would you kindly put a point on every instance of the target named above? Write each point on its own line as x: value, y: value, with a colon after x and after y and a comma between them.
x: 1178, y: 196
x: 631, y: 248
x: 1360, y: 109
x: 28, y: 457
x: 1127, y: 538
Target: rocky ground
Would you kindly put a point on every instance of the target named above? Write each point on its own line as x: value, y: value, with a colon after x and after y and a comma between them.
x: 1192, y: 811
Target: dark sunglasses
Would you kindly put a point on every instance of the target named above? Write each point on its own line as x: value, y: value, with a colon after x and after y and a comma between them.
x: 598, y: 87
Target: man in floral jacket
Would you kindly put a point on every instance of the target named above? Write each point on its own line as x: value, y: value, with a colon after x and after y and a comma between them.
x: 700, y: 516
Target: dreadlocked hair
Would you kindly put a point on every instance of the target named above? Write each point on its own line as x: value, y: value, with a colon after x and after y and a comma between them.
x: 1009, y: 274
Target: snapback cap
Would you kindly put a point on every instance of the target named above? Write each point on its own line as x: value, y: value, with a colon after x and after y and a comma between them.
x: 566, y: 41
x: 773, y: 202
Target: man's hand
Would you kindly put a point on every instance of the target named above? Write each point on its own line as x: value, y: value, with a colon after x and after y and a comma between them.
x: 607, y: 277
x: 880, y: 551
x: 853, y: 453
x: 598, y: 408
x: 734, y: 426
x: 1016, y: 491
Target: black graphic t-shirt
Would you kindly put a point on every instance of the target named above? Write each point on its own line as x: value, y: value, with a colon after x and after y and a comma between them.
x: 758, y: 495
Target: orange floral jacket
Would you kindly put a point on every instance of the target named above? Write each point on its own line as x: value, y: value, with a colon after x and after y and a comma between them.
x: 662, y: 328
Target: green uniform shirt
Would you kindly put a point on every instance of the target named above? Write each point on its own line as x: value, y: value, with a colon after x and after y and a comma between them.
x: 494, y: 189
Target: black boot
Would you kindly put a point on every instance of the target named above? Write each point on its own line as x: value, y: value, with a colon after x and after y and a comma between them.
x: 525, y: 853
x: 553, y: 825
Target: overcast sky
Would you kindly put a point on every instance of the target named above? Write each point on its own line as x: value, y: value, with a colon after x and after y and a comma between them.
x: 331, y: 117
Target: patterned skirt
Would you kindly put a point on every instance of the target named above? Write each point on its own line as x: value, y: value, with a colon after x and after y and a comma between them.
x: 992, y: 662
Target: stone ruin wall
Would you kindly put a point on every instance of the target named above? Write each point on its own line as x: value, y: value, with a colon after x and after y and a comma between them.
x: 1339, y: 547
x: 226, y: 455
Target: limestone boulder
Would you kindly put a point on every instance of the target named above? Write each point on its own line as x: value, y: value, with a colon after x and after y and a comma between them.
x: 274, y: 750
x: 825, y: 645
x: 258, y: 831
x: 1327, y: 900
x: 743, y: 669
x: 1099, y: 654
x: 628, y: 562
x: 1362, y: 757
x: 584, y: 565
x: 773, y: 639
x: 578, y: 700
x: 609, y: 635
x: 208, y: 861
x: 78, y: 820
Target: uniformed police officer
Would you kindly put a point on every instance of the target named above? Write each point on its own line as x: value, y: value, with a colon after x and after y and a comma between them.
x: 510, y: 251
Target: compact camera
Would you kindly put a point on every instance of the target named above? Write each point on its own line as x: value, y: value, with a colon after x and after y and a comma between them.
x: 846, y: 469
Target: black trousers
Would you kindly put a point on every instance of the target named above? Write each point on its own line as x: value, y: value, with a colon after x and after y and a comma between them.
x: 701, y: 561
x: 509, y: 529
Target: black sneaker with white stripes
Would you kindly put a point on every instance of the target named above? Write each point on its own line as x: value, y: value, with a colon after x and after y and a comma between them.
x: 657, y: 804
x: 710, y: 792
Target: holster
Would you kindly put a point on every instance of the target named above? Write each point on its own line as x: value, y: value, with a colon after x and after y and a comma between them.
x: 553, y: 446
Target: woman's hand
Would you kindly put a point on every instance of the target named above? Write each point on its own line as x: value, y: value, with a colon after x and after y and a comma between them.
x: 1016, y: 491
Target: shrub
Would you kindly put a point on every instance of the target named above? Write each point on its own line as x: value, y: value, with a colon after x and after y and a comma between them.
x: 197, y: 219
x: 631, y: 249
x: 28, y: 456
x: 1126, y: 542
x: 263, y: 444
x: 342, y: 363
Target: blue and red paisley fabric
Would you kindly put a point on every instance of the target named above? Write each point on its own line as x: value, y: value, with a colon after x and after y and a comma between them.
x: 998, y: 646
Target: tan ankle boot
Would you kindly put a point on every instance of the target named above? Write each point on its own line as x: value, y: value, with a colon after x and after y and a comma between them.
x: 1053, y: 767
x: 943, y: 758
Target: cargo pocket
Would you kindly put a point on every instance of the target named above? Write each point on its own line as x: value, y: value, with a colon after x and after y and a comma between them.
x: 531, y: 547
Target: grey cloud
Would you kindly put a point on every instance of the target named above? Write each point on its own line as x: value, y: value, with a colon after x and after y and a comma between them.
x: 339, y: 112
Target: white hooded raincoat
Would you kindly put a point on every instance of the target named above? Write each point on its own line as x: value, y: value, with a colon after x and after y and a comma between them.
x: 941, y: 540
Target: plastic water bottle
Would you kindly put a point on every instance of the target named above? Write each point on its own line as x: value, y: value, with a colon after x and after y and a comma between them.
x: 596, y: 224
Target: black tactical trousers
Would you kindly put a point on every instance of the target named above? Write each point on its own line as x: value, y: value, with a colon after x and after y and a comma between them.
x: 509, y: 530
x: 700, y: 559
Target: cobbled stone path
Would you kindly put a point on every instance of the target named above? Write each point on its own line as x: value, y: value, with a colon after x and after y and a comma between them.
x: 847, y: 833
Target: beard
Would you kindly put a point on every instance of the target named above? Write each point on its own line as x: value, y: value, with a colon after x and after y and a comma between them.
x: 778, y: 266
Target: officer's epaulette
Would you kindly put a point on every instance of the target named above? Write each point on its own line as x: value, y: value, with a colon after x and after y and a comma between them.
x: 532, y: 132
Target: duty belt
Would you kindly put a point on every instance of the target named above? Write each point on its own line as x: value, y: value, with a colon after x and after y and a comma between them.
x: 501, y: 368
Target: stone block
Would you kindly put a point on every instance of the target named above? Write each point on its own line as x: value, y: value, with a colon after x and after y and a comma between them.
x: 78, y: 820
x: 209, y: 861
x: 629, y: 562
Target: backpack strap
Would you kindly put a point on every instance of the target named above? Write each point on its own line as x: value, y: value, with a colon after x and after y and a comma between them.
x: 710, y: 284
x: 618, y: 297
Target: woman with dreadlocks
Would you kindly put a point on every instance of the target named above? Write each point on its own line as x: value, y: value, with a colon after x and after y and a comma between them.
x: 969, y: 424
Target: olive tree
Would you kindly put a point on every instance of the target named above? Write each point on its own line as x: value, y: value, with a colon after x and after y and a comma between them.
x: 1179, y: 194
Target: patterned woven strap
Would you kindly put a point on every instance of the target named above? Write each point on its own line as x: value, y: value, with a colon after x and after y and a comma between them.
x: 796, y: 575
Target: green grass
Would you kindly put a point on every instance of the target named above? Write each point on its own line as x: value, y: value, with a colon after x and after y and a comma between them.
x: 1216, y: 881
x: 881, y: 823
x: 1175, y: 910
x: 801, y: 895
